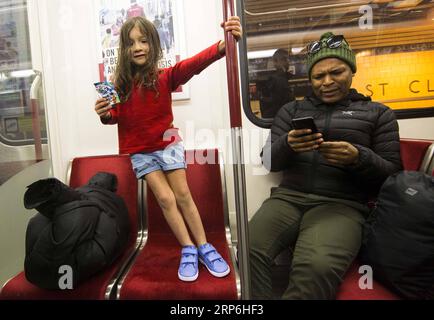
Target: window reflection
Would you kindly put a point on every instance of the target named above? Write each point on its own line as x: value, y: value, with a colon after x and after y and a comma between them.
x: 393, y: 41
x: 23, y: 134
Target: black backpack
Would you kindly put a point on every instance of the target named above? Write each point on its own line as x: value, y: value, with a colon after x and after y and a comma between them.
x: 398, y: 237
x: 85, y: 229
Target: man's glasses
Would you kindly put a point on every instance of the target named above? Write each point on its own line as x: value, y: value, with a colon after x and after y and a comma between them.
x: 333, y: 42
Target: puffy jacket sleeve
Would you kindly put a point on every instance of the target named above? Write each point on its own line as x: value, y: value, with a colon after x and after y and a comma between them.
x: 383, y: 159
x: 277, y: 153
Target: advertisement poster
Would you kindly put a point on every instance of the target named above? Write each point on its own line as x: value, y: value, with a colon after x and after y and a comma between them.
x: 167, y: 17
x: 14, y: 38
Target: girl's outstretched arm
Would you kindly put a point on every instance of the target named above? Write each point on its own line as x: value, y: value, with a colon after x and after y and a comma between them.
x: 184, y: 70
x: 233, y: 25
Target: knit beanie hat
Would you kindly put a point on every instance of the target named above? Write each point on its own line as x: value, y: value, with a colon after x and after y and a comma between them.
x: 343, y: 52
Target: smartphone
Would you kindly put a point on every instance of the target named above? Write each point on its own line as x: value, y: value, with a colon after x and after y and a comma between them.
x: 304, y: 123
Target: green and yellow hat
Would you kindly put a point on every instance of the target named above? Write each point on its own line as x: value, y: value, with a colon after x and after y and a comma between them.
x: 330, y: 46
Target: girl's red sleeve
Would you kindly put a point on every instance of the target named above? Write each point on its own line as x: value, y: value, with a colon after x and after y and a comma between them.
x: 184, y: 70
x: 114, y: 117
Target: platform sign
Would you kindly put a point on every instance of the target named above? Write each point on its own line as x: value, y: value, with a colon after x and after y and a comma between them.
x: 403, y: 80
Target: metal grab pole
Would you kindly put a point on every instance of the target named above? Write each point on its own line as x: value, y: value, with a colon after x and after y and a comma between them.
x: 36, y: 127
x: 238, y: 156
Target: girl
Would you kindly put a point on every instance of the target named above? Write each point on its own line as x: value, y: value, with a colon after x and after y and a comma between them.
x: 144, y: 119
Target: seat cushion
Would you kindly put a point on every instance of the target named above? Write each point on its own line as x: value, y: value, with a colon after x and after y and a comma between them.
x: 413, y: 152
x: 155, y: 273
x: 18, y: 288
x: 350, y: 289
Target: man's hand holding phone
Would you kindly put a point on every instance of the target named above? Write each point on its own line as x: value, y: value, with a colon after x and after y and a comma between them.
x: 303, y: 140
x: 305, y: 136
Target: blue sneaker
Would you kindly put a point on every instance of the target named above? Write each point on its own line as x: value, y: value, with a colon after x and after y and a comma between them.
x: 213, y: 261
x: 188, y: 267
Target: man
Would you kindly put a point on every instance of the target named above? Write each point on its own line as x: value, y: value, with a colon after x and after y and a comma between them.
x: 13, y: 54
x: 107, y: 42
x: 320, y: 206
x: 276, y: 91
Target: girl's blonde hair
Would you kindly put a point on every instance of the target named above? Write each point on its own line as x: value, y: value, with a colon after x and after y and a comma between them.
x: 128, y: 74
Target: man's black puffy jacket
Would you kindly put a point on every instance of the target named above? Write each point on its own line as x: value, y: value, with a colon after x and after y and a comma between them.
x: 371, y: 127
x: 85, y: 228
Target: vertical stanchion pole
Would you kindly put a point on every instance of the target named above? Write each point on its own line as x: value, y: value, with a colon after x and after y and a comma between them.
x: 238, y: 156
x: 36, y: 126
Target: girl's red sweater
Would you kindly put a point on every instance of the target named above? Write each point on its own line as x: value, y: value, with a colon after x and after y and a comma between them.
x: 145, y: 121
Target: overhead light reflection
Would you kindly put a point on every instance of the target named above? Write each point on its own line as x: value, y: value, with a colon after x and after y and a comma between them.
x: 22, y: 73
x: 269, y: 53
x: 260, y: 54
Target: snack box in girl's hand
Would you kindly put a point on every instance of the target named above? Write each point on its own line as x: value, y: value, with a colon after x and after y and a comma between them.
x: 106, y: 90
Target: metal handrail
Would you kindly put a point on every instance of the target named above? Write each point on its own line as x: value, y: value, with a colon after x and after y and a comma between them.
x: 238, y: 154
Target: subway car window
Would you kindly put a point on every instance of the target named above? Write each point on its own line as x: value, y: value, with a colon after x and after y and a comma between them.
x: 23, y: 133
x: 24, y: 156
x: 393, y: 42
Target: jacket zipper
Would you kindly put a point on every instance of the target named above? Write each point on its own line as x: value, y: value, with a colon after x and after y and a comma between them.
x: 315, y: 163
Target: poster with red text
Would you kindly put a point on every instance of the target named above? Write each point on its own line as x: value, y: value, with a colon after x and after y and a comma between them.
x: 167, y: 17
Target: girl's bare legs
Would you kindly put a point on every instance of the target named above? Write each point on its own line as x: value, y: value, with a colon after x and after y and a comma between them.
x: 166, y: 199
x: 178, y: 182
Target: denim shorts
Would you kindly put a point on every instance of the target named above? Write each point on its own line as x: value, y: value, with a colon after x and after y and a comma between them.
x: 171, y: 158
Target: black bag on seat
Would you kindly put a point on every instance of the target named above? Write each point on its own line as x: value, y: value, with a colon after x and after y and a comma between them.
x: 85, y: 229
x: 398, y: 239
